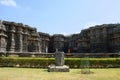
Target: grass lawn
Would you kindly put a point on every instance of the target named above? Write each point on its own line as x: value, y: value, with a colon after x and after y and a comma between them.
x: 42, y: 74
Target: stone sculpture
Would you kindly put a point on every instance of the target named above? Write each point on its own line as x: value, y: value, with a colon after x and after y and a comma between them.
x: 59, y: 64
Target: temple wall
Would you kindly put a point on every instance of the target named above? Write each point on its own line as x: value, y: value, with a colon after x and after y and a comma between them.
x: 17, y: 37
x: 21, y: 38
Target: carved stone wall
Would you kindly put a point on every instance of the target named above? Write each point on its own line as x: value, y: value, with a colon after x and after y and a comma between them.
x: 100, y: 39
x: 2, y: 38
x: 21, y: 38
x: 73, y: 43
x: 83, y: 41
x: 45, y: 40
x: 17, y: 37
x: 25, y: 39
x: 58, y: 42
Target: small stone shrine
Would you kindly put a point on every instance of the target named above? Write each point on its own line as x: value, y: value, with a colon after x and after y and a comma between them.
x: 59, y: 64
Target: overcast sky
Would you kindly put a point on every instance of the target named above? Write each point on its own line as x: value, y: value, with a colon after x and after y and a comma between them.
x: 60, y: 16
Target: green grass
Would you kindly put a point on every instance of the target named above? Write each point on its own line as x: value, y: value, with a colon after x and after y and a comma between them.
x: 42, y: 74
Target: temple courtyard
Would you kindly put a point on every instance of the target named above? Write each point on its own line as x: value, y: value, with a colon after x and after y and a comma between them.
x: 43, y: 74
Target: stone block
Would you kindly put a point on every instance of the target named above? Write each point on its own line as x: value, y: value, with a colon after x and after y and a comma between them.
x: 59, y: 58
x: 53, y: 68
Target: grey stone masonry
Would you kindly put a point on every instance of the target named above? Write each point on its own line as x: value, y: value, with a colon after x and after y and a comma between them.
x: 11, y: 38
x: 59, y: 58
x: 2, y: 38
x: 18, y: 37
x: 54, y: 68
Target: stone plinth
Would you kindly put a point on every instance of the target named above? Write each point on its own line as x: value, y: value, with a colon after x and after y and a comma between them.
x: 53, y: 68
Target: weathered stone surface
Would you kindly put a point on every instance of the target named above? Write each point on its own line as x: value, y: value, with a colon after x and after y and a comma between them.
x: 59, y: 66
x: 17, y: 37
x: 2, y: 38
x: 20, y: 38
x: 44, y: 41
x: 59, y: 58
x: 54, y: 68
x: 58, y: 42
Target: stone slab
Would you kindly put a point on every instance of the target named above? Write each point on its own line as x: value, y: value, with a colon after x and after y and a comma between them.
x: 53, y: 68
x: 59, y: 58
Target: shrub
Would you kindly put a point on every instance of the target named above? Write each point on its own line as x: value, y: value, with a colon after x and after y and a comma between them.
x: 25, y: 62
x: 45, y: 62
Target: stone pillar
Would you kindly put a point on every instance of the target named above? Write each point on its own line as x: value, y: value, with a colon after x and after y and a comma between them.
x: 19, y: 39
x: 25, y: 40
x: 59, y: 58
x: 37, y: 43
x: 46, y: 49
x: 2, y: 38
x: 11, y: 43
x: 39, y: 47
x: 34, y: 42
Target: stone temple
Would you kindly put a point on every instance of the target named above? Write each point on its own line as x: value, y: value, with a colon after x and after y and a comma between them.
x: 17, y: 37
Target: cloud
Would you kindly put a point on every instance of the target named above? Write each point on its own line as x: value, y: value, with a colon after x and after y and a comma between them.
x: 65, y: 33
x: 11, y: 3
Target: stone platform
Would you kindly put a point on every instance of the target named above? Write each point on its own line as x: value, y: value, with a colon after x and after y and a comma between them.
x: 53, y: 68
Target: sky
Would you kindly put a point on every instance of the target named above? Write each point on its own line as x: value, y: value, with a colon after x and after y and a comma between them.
x: 60, y: 16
